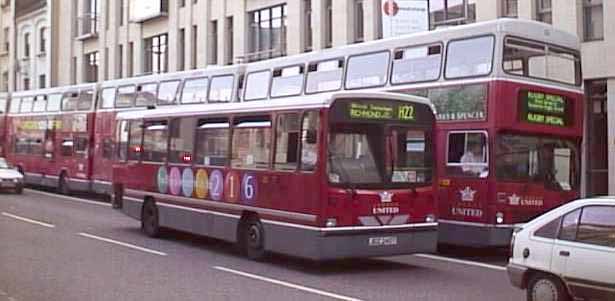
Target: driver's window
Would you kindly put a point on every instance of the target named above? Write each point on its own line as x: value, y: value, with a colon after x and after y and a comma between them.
x: 467, y: 154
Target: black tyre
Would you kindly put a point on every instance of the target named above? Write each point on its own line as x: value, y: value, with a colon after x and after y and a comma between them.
x: 19, y: 189
x: 149, y: 219
x: 63, y: 186
x: 543, y: 287
x: 252, y: 242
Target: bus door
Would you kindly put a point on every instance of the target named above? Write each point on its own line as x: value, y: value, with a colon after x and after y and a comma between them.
x: 463, y: 189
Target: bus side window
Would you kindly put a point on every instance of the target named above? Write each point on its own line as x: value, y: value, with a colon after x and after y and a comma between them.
x: 80, y: 146
x: 251, y: 142
x: 54, y: 102
x: 182, y: 140
x: 309, y: 140
x: 368, y: 70
x: 69, y: 101
x: 195, y: 90
x: 86, y: 99
x: 287, y: 81
x: 135, y: 136
x: 287, y: 141
x: 417, y: 64
x: 125, y: 96
x: 212, y: 139
x: 122, y: 132
x: 257, y: 85
x: 325, y: 76
x: 146, y: 95
x: 167, y: 92
x: 107, y: 100
x: 221, y: 88
x: 155, y: 141
x: 467, y: 154
x: 107, y: 148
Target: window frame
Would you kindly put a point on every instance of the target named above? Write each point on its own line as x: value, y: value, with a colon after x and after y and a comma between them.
x: 586, y: 36
x: 493, y: 62
x: 580, y: 223
x: 386, y: 73
x: 38, y: 98
x: 229, y: 136
x: 131, y: 123
x: 23, y: 101
x: 307, y: 73
x: 146, y: 122
x: 101, y: 103
x: 117, y: 96
x: 179, y: 119
x: 303, y: 81
x: 246, y: 80
x: 440, y: 70
x: 233, y: 87
x: 179, y: 94
x: 271, y: 127
x: 180, y: 86
x: 138, y: 90
x: 274, y: 163
x: 319, y: 141
x: 487, y: 150
x: 49, y: 97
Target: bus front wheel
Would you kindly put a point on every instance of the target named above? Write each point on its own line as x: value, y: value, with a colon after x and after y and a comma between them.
x: 149, y: 219
x: 253, y: 239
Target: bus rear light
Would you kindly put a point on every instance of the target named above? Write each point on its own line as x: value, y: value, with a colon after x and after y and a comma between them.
x: 331, y: 222
x: 499, y: 218
x: 430, y: 218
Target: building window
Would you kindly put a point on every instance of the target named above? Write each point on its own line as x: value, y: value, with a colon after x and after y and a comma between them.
x: 229, y: 41
x: 7, y: 38
x: 131, y: 54
x: 359, y: 27
x: 26, y: 45
x: 42, y: 47
x: 213, y: 43
x: 510, y: 8
x: 267, y: 33
x: 5, y: 81
x: 121, y: 12
x: 156, y: 54
x: 329, y: 23
x: 593, y: 17
x: 26, y: 83
x: 42, y: 81
x: 120, y: 61
x: 308, y: 25
x: 195, y: 48
x: 89, y: 18
x: 451, y: 12
x: 91, y: 67
x: 543, y: 11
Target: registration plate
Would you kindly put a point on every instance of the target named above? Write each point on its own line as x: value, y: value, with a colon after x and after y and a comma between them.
x: 383, y: 241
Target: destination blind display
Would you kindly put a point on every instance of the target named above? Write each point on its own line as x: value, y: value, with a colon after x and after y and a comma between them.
x: 371, y: 111
x: 543, y: 108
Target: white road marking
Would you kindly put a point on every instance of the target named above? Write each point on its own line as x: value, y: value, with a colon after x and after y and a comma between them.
x: 287, y: 284
x: 461, y: 261
x: 123, y: 244
x: 70, y: 198
x: 27, y: 220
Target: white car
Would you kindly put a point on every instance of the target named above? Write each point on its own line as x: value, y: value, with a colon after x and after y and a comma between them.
x: 567, y: 253
x: 10, y: 178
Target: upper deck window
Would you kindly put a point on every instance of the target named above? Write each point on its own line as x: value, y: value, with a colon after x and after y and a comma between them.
x: 3, y: 103
x: 417, y: 64
x: 146, y: 95
x: 125, y: 96
x: 325, y: 76
x: 257, y: 85
x: 470, y: 57
x: 15, y: 104
x: 221, y: 89
x: 195, y: 90
x: 86, y: 99
x: 107, y: 98
x: 26, y: 105
x: 54, y: 102
x: 368, y: 70
x: 542, y: 61
x: 40, y: 103
x: 167, y: 92
x: 287, y: 81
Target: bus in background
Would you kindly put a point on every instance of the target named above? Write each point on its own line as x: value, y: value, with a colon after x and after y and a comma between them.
x: 509, y: 101
x: 49, y: 136
x: 321, y: 177
x: 218, y: 84
x: 4, y: 102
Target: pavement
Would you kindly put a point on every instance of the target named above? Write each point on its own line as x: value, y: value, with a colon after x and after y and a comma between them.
x: 70, y: 248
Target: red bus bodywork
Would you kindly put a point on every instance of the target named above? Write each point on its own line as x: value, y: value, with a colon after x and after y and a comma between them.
x: 301, y: 212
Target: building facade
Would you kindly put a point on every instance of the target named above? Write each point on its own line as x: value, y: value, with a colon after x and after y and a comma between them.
x: 91, y: 40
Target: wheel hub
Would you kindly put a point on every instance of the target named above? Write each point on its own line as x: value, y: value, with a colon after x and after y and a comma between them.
x: 545, y: 290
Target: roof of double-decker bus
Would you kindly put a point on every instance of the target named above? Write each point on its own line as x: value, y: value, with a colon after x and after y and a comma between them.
x: 304, y: 102
x: 62, y: 89
x: 209, y: 71
x: 505, y: 26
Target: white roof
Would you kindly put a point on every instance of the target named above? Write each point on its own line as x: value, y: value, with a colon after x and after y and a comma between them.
x: 305, y: 102
x: 47, y: 91
x: 210, y: 71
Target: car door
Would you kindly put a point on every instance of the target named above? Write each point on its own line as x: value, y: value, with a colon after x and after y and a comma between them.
x: 584, y: 254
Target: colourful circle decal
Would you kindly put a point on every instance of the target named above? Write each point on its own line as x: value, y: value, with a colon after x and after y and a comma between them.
x: 249, y: 188
x: 231, y: 187
x: 187, y: 182
x: 216, y: 185
x: 175, y: 181
x: 162, y: 179
x: 201, y: 184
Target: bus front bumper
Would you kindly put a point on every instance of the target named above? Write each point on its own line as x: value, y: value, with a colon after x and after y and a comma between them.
x: 351, y: 242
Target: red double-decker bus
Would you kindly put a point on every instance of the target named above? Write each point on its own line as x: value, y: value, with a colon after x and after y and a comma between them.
x: 322, y: 177
x: 509, y: 102
x: 49, y: 136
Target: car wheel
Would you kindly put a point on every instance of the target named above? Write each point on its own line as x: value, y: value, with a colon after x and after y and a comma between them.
x: 63, y: 185
x: 543, y: 287
x: 19, y: 189
x: 149, y: 219
x: 253, y: 239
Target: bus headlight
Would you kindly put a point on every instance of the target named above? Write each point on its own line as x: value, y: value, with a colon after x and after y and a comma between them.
x: 331, y: 222
x: 430, y: 218
x: 499, y: 218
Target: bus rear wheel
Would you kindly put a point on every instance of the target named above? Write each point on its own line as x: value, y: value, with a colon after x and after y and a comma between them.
x: 149, y: 219
x: 252, y: 241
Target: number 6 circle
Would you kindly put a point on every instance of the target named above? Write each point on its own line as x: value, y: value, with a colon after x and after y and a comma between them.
x: 249, y: 188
